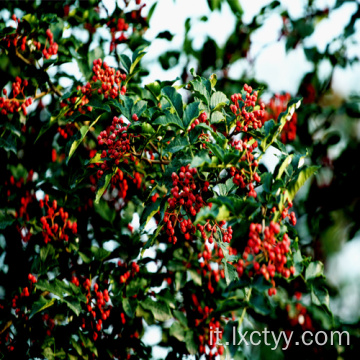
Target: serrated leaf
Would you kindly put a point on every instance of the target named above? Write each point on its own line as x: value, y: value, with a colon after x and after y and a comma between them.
x: 192, y: 112
x: 230, y: 272
x: 160, y: 310
x: 314, y: 270
x: 200, y: 90
x: 216, y: 117
x: 139, y: 108
x: 174, y: 98
x: 218, y: 100
x: 169, y: 119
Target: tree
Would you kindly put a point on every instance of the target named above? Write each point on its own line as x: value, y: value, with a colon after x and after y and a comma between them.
x: 78, y: 280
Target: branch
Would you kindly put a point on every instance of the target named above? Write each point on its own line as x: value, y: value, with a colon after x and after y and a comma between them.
x: 28, y: 62
x: 150, y: 161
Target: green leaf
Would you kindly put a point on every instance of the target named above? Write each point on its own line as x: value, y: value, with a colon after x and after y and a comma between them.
x: 218, y: 100
x: 320, y: 296
x: 139, y: 108
x: 154, y: 88
x: 125, y: 62
x: 217, y: 117
x: 195, y: 277
x: 103, y: 184
x: 99, y: 253
x: 191, y: 345
x: 149, y: 212
x: 260, y: 303
x: 217, y: 151
x: 213, y: 80
x: 104, y: 210
x: 160, y: 310
x: 266, y: 180
x: 201, y: 91
x: 192, y: 112
x: 5, y: 221
x: 169, y: 119
x: 181, y: 317
x: 8, y: 144
x: 137, y: 56
x: 128, y: 308
x: 284, y: 165
x: 174, y: 98
x: 298, y: 263
x: 235, y: 7
x: 126, y: 107
x: 200, y: 159
x: 96, y: 104
x: 218, y: 213
x: 79, y: 137
x: 41, y: 305
x: 314, y: 270
x: 177, y: 331
x: 177, y: 144
x: 295, y: 185
x: 230, y: 272
x: 73, y: 304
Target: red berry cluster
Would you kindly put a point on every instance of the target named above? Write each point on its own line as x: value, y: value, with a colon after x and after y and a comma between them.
x: 201, y: 119
x: 53, y: 46
x: 275, y: 107
x: 208, y: 258
x: 298, y: 315
x: 117, y: 25
x: 208, y: 231
x: 19, y: 38
x: 18, y: 301
x: 52, y: 229
x: 67, y: 131
x: 129, y: 273
x: 206, y: 326
x: 106, y: 81
x: 285, y: 214
x: 10, y: 105
x: 240, y: 108
x: 49, y: 323
x: 246, y: 177
x: 186, y: 194
x: 117, y: 141
x: 96, y: 305
x: 265, y: 254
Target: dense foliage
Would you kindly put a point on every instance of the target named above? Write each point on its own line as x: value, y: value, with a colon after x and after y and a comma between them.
x: 124, y: 206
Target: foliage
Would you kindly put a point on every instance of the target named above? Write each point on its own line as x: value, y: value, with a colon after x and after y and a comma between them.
x: 216, y: 238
